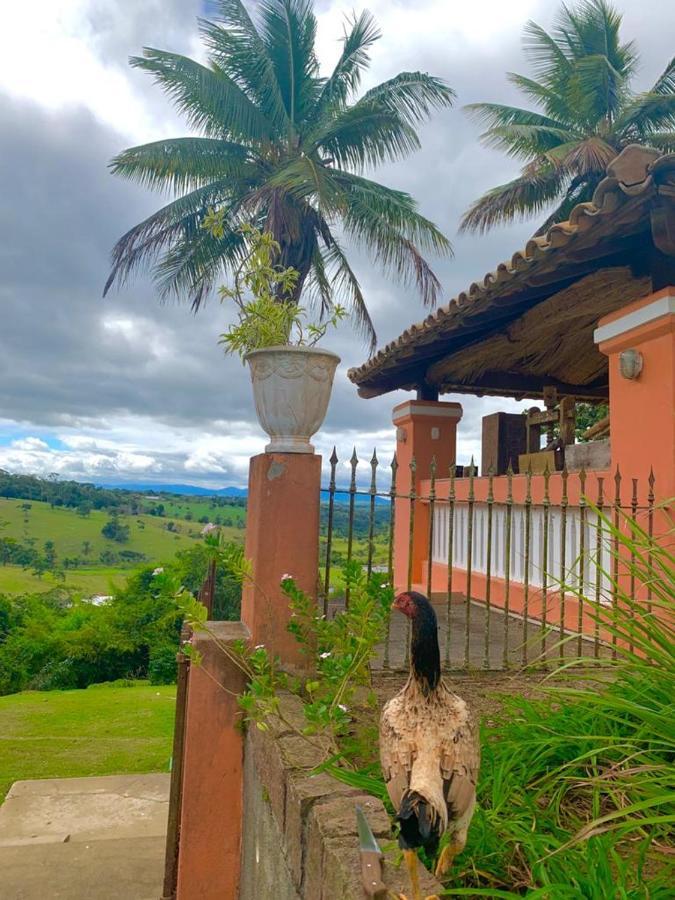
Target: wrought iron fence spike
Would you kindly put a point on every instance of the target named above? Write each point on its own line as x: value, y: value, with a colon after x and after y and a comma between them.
x: 333, y: 457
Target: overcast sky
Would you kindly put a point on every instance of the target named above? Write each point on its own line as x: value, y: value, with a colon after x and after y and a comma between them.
x: 127, y: 389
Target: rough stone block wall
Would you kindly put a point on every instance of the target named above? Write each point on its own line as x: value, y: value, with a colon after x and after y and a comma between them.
x: 300, y: 840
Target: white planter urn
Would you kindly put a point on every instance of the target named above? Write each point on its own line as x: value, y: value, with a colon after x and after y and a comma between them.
x: 291, y: 387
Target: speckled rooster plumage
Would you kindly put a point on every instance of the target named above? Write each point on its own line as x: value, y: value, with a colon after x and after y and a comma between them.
x: 429, y: 748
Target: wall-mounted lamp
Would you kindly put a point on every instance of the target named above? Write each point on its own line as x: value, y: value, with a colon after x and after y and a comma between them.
x: 630, y: 364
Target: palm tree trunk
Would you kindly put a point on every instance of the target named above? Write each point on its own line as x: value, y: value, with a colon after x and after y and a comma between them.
x: 291, y: 229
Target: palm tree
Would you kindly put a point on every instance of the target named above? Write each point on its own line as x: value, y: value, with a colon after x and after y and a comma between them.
x: 587, y: 113
x: 284, y: 149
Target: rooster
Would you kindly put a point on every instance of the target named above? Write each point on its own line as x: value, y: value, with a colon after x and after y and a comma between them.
x: 429, y: 750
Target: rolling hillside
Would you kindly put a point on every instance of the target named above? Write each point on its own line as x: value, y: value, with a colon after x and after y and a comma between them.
x: 75, y: 536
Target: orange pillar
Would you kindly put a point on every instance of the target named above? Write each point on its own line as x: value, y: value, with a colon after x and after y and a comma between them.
x: 639, y: 340
x: 211, y: 807
x: 425, y: 430
x: 282, y: 538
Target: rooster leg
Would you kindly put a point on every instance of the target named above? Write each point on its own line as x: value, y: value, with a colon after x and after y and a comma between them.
x: 411, y: 865
x: 446, y: 858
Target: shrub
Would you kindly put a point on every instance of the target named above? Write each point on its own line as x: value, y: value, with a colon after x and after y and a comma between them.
x: 162, y: 665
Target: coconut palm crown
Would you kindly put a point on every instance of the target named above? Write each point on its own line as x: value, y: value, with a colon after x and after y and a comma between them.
x: 283, y: 149
x: 586, y: 113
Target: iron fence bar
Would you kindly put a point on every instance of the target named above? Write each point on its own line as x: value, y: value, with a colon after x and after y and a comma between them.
x: 507, y: 561
x: 526, y: 574
x: 353, y: 462
x: 329, y: 530
x: 469, y: 566
x: 633, y: 515
x: 582, y: 557
x: 488, y: 569
x: 432, y: 504
x: 650, y: 532
x: 390, y: 560
x: 563, y: 549
x: 371, y: 520
x: 545, y: 550
x: 451, y: 538
x: 598, y: 567
x: 615, y: 558
x: 411, y: 537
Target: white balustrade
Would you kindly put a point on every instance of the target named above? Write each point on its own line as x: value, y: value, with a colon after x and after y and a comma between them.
x: 597, y: 569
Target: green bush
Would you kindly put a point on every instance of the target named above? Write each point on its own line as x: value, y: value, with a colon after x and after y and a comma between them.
x: 162, y: 665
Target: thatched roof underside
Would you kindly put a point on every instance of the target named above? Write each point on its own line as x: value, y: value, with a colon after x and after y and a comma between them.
x: 529, y: 325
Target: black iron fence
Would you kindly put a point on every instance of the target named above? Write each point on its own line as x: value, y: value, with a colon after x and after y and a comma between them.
x: 516, y: 565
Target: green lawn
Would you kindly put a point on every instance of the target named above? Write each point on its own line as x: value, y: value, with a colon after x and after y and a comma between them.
x: 95, y: 580
x: 104, y: 730
x: 198, y: 507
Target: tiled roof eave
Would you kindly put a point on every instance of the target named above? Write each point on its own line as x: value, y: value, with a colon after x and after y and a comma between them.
x: 635, y: 173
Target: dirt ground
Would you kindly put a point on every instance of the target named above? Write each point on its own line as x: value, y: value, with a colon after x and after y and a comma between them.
x: 483, y: 691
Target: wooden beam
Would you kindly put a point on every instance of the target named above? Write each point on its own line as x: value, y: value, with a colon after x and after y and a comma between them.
x: 426, y: 391
x: 663, y: 225
x: 514, y: 385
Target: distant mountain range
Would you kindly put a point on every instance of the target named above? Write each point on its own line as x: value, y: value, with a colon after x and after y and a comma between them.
x: 187, y: 489
x: 341, y: 496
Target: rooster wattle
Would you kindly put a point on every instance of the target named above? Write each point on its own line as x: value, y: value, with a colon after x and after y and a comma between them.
x: 429, y: 749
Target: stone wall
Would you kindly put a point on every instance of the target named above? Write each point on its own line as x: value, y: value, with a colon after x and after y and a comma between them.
x: 300, y: 840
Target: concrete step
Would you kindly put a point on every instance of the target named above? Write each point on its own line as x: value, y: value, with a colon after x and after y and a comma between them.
x: 121, y: 869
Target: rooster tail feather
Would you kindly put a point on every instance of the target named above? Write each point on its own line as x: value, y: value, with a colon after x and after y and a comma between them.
x: 419, y: 822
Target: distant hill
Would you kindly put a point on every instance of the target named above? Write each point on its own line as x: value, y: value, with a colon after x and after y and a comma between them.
x: 191, y: 490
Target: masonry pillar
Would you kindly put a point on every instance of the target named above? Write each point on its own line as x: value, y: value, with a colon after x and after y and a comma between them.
x: 425, y: 430
x: 282, y: 538
x: 639, y: 340
x: 213, y: 766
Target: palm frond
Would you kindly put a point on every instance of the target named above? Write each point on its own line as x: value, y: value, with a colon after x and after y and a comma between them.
x: 288, y: 31
x: 348, y: 290
x: 598, y: 88
x: 397, y: 209
x: 209, y: 98
x: 237, y: 47
x: 655, y: 109
x: 554, y: 102
x: 412, y: 95
x: 145, y: 241
x: 365, y: 135
x: 579, y: 190
x: 181, y: 164
x: 346, y: 76
x: 590, y: 156
x: 531, y: 192
x: 548, y: 59
x: 372, y: 220
x: 525, y: 141
x: 492, y: 115
x: 193, y: 265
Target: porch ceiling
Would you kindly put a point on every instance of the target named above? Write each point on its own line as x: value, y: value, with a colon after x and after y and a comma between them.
x: 529, y: 324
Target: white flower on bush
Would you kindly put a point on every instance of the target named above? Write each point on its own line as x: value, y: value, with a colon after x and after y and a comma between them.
x: 286, y: 578
x: 158, y: 571
x: 259, y: 647
x: 208, y: 528
x: 324, y: 655
x: 343, y: 707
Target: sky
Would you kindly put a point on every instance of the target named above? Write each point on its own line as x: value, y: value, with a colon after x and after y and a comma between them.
x: 126, y: 389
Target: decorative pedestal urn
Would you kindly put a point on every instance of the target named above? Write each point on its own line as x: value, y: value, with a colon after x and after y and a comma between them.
x: 291, y: 387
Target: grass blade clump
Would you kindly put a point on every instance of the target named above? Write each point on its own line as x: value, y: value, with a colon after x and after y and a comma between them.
x: 577, y: 790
